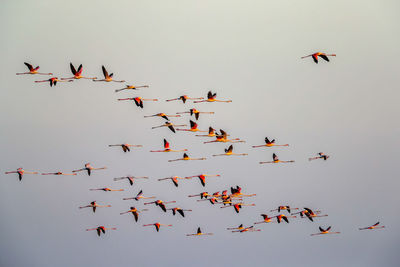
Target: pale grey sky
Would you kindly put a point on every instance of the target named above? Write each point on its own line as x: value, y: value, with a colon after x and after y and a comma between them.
x: 247, y: 51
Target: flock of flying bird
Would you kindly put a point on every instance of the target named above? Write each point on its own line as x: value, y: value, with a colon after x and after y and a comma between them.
x: 234, y: 199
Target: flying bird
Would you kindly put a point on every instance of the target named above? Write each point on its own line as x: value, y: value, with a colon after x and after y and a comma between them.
x: 21, y: 173
x: 199, y: 233
x: 247, y: 229
x: 193, y: 128
x: 33, y: 70
x: 160, y: 203
x: 266, y: 219
x: 157, y: 225
x: 321, y: 155
x: 321, y: 55
x: 238, y: 206
x: 107, y: 77
x: 101, y: 229
x: 375, y: 226
x: 77, y: 73
x: 186, y: 158
x: 52, y: 81
x: 287, y: 208
x: 184, y: 98
x: 131, y: 87
x: 168, y: 124
x: 58, y: 173
x: 269, y: 143
x: 126, y: 147
x: 195, y: 112
x: 223, y: 138
x: 276, y: 160
x: 167, y: 148
x: 89, y: 169
x: 229, y: 152
x: 211, y: 133
x: 135, y: 212
x: 212, y: 98
x: 106, y: 189
x: 131, y: 179
x: 138, y: 196
x: 138, y: 100
x: 325, y: 231
x: 178, y: 210
x: 94, y: 205
x: 162, y: 115
x: 174, y: 179
x: 202, y: 177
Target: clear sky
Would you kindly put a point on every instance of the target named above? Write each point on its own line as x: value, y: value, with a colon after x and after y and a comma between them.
x: 247, y: 51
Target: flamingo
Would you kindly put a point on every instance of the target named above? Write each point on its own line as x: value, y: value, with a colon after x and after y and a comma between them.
x: 266, y: 219
x: 237, y: 192
x: 186, y: 158
x: 247, y: 229
x: 160, y: 203
x: 89, y: 169
x: 162, y: 115
x: 179, y: 210
x: 201, y: 195
x: 131, y: 87
x: 106, y: 189
x: 130, y: 178
x: 281, y: 217
x: 325, y: 231
x: 167, y: 148
x: 199, y: 233
x: 269, y: 143
x: 193, y: 128
x: 321, y: 55
x: 135, y: 212
x: 212, y: 200
x: 58, y: 173
x: 195, y: 112
x: 21, y: 173
x: 107, y: 78
x: 53, y: 81
x: 211, y: 133
x: 174, y: 179
x: 375, y: 226
x: 184, y: 98
x: 240, y: 227
x: 276, y: 160
x: 287, y: 208
x: 238, y: 206
x: 33, y: 70
x: 138, y: 100
x: 229, y: 152
x: 77, y: 73
x: 168, y: 124
x: 157, y: 225
x: 202, y: 177
x: 126, y: 147
x: 321, y: 155
x: 94, y: 205
x: 310, y: 214
x: 138, y: 196
x: 223, y: 137
x: 212, y: 98
x: 101, y: 229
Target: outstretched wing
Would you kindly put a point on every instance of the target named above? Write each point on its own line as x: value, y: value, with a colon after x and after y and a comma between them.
x: 324, y: 57
x: 105, y: 73
x: 30, y: 67
x: 73, y: 70
x: 166, y: 144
